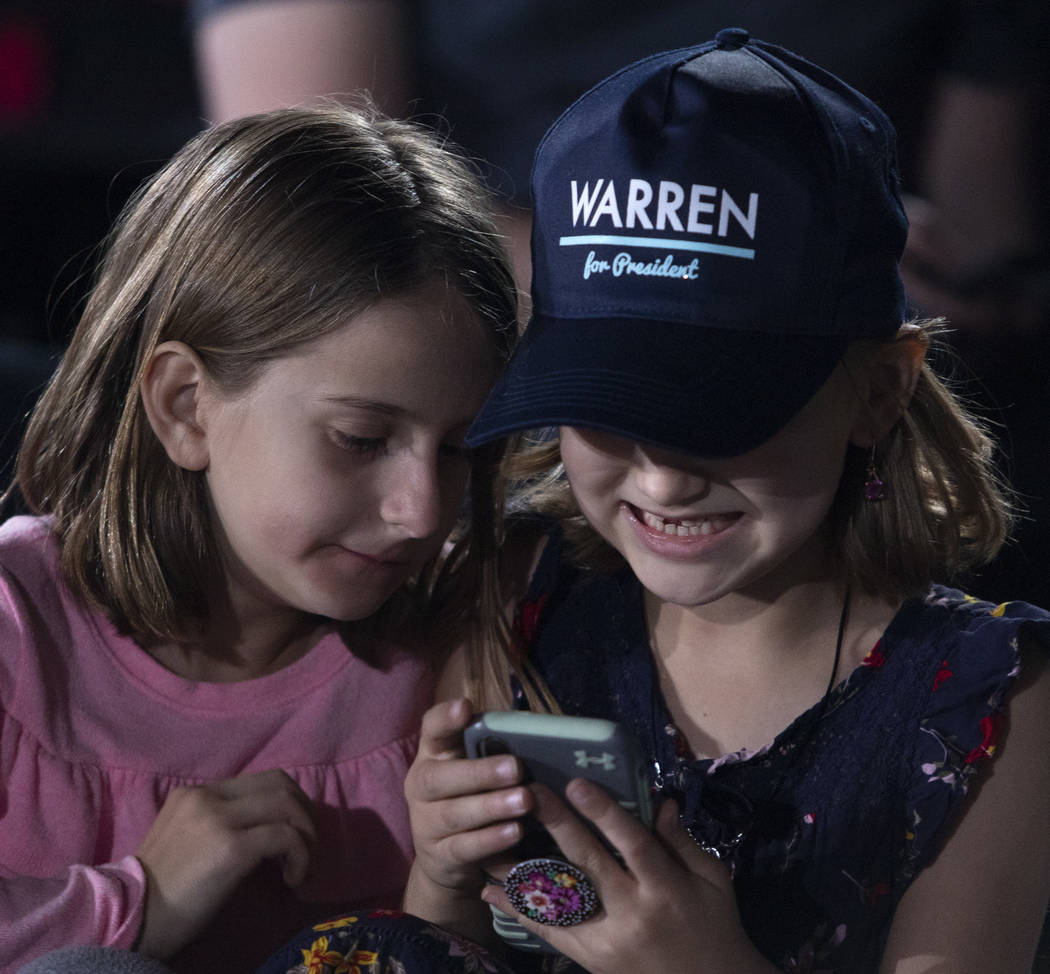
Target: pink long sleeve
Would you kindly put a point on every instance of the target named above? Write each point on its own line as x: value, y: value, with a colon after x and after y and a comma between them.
x: 88, y: 905
x: 95, y: 734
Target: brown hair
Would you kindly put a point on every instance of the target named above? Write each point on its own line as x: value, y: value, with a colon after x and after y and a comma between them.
x: 259, y: 235
x: 945, y: 511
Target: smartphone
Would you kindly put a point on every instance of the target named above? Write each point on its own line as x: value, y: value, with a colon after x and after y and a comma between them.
x: 554, y: 749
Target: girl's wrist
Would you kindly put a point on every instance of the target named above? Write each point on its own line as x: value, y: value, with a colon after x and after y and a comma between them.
x: 458, y: 910
x: 429, y: 898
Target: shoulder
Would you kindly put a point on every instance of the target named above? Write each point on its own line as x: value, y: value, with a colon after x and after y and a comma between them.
x: 26, y: 542
x: 998, y: 850
x: 974, y: 658
x: 29, y: 571
x: 35, y: 606
x: 970, y: 613
x: 947, y: 626
x: 970, y: 652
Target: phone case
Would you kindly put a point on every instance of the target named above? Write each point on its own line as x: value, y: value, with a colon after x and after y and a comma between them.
x: 554, y: 749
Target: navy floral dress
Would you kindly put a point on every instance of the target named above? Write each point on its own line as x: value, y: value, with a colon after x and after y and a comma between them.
x: 825, y: 827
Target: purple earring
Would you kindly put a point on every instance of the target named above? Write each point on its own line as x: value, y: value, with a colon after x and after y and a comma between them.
x: 874, y: 488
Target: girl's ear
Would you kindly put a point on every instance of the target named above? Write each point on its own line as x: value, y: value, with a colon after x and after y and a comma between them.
x: 890, y: 376
x: 171, y: 391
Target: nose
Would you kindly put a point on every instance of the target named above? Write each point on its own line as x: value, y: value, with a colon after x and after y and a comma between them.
x: 667, y: 482
x: 412, y: 497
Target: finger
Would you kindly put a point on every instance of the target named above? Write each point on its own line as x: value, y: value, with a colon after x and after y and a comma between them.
x: 486, y: 808
x: 275, y: 840
x: 580, y: 845
x: 479, y: 845
x: 683, y: 847
x: 629, y: 837
x: 437, y: 779
x: 251, y: 786
x: 264, y: 808
x: 273, y: 779
x: 560, y: 938
x: 441, y: 734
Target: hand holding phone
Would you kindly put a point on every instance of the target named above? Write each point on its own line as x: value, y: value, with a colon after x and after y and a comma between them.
x: 554, y: 749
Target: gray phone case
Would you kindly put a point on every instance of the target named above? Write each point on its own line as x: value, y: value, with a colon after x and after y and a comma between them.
x: 555, y: 749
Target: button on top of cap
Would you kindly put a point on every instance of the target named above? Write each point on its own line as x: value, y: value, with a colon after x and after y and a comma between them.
x: 732, y: 38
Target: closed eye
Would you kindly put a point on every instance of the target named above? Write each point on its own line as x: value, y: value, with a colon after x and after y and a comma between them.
x: 364, y: 445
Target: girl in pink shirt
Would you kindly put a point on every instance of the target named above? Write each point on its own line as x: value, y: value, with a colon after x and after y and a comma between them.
x: 240, y: 480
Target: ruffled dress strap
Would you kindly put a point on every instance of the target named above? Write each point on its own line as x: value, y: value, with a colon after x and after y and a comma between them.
x: 964, y: 715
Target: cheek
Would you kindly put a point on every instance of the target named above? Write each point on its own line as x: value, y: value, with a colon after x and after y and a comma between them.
x: 586, y: 489
x: 593, y: 482
x: 271, y: 497
x: 599, y: 503
x: 794, y: 507
x: 796, y: 468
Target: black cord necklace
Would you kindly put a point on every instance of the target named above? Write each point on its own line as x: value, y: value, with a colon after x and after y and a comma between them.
x: 735, y: 817
x: 843, y: 620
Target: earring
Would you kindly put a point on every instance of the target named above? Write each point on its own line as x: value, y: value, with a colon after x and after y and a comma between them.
x: 874, y: 488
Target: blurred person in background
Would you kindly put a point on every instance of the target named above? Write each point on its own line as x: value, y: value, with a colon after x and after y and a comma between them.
x: 94, y: 98
x: 963, y: 84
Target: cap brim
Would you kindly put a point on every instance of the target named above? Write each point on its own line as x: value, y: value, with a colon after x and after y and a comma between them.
x: 720, y: 393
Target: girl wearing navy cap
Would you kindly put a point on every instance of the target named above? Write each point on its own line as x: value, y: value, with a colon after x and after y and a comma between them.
x: 731, y: 547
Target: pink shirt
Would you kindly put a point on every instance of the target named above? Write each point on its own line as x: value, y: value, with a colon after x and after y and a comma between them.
x: 94, y: 734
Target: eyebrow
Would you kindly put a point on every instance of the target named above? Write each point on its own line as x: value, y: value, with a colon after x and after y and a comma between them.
x: 360, y: 402
x: 382, y: 408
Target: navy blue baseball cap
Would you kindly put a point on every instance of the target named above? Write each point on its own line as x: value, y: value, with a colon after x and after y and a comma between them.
x: 713, y: 226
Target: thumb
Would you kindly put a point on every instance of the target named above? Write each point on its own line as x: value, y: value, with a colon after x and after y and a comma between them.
x: 668, y: 827
x: 441, y: 734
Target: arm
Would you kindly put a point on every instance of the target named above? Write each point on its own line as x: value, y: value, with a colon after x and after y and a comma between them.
x: 978, y: 209
x: 979, y: 906
x: 263, y: 54
x: 204, y: 841
x: 100, y: 905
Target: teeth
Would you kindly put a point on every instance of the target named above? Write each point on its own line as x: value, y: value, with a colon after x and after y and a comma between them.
x: 682, y: 528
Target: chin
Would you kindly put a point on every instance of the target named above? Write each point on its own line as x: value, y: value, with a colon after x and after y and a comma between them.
x: 343, y: 609
x: 683, y: 591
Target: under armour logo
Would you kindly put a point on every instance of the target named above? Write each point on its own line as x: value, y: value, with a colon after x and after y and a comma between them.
x: 606, y: 760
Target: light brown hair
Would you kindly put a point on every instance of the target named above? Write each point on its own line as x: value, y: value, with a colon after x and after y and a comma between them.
x: 259, y: 235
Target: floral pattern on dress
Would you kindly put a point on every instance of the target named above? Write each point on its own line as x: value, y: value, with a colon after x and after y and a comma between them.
x: 841, y: 811
x: 380, y: 942
x: 835, y: 817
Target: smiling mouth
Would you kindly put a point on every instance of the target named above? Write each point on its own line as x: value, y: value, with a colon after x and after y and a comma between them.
x: 388, y: 560
x: 685, y: 527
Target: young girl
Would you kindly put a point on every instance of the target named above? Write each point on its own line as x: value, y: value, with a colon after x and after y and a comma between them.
x: 756, y: 479
x: 241, y: 475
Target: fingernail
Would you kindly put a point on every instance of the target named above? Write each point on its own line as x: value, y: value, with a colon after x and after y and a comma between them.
x: 507, y: 770
x: 581, y: 793
x: 515, y: 802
